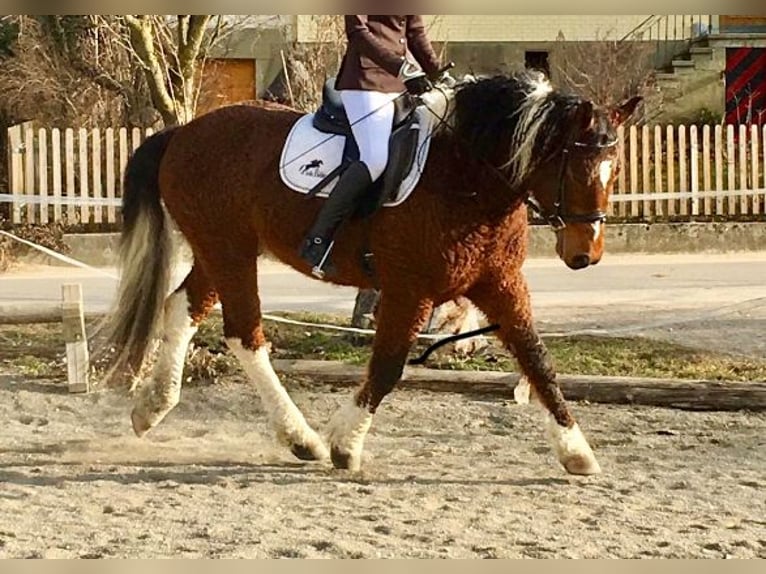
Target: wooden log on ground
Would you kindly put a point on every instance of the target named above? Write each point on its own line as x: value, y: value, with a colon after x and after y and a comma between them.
x: 34, y: 313
x: 669, y: 393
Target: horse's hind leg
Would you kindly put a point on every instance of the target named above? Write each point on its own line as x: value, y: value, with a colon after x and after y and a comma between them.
x: 238, y: 288
x: 399, y: 321
x: 184, y: 310
x: 507, y: 302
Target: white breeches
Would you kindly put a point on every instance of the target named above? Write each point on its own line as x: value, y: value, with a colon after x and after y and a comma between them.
x: 371, y: 115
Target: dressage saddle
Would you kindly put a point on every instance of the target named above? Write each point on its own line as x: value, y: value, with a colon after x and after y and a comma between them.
x: 331, y: 118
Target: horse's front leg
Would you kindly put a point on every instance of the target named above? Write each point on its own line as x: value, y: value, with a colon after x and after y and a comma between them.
x: 399, y: 320
x: 506, y: 302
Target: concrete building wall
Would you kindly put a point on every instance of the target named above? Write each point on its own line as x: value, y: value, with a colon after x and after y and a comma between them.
x: 498, y: 43
x: 503, y: 28
x: 542, y: 28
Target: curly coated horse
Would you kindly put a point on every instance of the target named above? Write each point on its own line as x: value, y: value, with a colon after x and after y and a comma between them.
x: 508, y: 141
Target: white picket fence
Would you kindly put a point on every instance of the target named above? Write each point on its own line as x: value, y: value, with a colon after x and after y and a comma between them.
x: 668, y: 172
x: 683, y: 172
x: 68, y: 175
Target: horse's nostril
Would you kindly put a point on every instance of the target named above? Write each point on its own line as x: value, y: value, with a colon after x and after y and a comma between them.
x: 580, y: 261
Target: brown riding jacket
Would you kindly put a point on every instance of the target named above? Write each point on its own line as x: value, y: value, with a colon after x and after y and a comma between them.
x: 376, y: 51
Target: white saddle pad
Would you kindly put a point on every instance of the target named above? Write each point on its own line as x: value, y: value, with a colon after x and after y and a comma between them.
x: 309, y: 155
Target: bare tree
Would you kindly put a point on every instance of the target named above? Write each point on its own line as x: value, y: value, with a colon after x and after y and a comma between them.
x: 171, y: 51
x: 136, y: 59
x: 605, y: 71
x: 68, y: 69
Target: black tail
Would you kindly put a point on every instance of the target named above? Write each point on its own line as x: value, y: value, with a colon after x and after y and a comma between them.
x: 144, y: 259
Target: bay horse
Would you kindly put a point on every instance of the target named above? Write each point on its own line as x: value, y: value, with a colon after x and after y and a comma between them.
x: 463, y: 232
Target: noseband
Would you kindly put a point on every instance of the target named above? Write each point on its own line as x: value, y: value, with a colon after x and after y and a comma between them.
x: 559, y: 218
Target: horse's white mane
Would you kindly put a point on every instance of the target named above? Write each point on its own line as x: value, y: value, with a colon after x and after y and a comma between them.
x: 532, y: 115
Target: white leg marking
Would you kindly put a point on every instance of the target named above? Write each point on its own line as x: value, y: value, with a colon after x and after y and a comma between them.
x: 521, y: 391
x: 572, y: 449
x: 347, y: 430
x: 605, y: 171
x: 162, y: 392
x: 286, y: 419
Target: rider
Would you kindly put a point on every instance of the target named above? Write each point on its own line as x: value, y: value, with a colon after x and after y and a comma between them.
x: 374, y: 71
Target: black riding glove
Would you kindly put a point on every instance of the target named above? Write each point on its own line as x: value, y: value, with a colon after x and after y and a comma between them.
x: 418, y: 85
x: 415, y: 80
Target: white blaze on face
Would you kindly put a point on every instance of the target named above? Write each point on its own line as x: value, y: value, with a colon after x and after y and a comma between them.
x: 596, y: 229
x: 605, y: 171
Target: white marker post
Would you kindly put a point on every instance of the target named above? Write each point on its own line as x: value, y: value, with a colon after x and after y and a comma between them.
x: 74, y: 336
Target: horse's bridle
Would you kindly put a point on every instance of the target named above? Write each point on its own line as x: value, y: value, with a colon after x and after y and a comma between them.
x: 559, y: 218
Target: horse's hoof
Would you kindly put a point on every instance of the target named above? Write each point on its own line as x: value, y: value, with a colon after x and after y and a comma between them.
x: 344, y: 460
x: 306, y: 452
x: 582, y: 464
x: 141, y: 426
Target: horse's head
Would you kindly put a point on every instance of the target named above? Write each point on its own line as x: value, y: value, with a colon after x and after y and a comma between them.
x: 571, y: 189
x: 558, y: 148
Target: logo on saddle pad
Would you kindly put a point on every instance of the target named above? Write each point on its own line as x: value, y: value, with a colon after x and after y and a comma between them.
x: 313, y: 169
x: 309, y: 155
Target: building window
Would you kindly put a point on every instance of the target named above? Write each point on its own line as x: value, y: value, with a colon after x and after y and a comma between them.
x: 537, y: 60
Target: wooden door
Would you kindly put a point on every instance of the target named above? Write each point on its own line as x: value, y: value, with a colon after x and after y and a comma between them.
x: 226, y: 81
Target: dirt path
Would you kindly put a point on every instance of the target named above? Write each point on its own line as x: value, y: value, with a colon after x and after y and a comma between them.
x: 446, y: 475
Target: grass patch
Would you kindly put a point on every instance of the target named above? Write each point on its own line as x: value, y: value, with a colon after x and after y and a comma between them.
x: 37, y: 351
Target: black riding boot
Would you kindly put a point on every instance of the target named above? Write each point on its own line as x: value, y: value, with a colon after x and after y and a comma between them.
x: 337, y: 207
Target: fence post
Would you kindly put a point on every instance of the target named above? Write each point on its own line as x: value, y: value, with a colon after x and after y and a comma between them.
x: 646, y: 183
x: 683, y: 182
x: 719, y: 169
x: 73, y: 319
x: 633, y: 169
x: 135, y: 138
x: 694, y: 167
x: 658, y: 187
x: 743, y: 168
x: 754, y: 170
x: 71, y: 192
x: 82, y: 138
x: 621, y: 178
x: 56, y: 160
x: 706, y: 175
x: 671, y: 154
x: 98, y: 210
x: 111, y: 216
x: 42, y: 157
x: 16, y: 179
x: 29, y: 170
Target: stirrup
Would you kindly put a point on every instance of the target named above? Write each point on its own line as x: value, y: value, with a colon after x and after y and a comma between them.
x: 317, y: 270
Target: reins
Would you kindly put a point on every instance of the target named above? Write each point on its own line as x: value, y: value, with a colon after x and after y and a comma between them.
x: 557, y: 220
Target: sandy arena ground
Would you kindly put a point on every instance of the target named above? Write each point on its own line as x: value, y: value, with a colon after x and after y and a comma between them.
x: 446, y: 475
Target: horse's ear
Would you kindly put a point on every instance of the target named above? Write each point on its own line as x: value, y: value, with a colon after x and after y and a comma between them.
x: 584, y: 115
x: 621, y: 113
